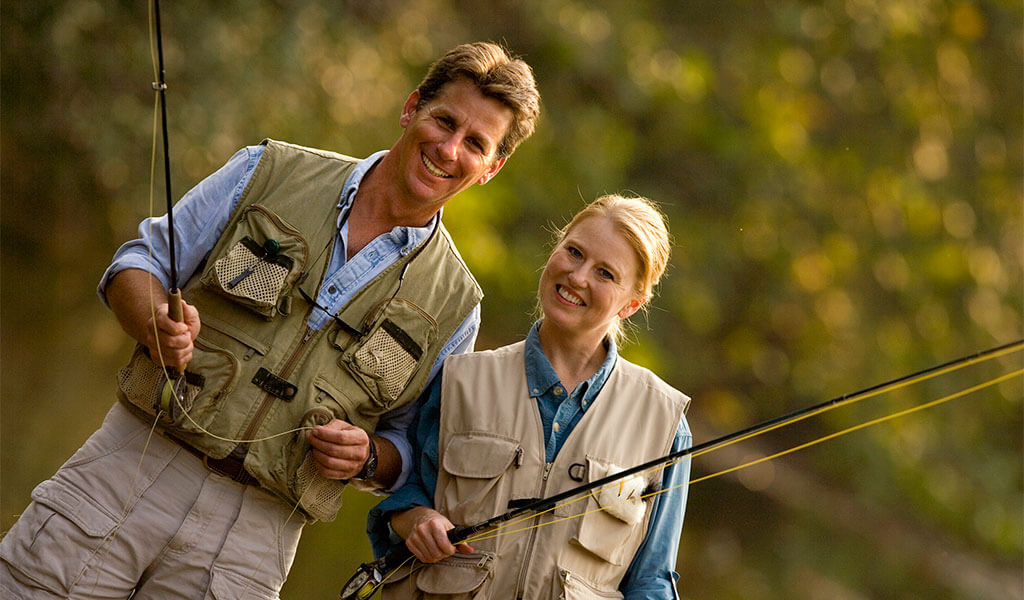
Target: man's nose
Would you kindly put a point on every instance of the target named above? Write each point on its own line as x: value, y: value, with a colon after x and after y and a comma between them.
x: 449, y: 147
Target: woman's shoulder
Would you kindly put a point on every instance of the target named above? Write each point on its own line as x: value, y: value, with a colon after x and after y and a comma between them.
x: 504, y: 352
x: 653, y: 384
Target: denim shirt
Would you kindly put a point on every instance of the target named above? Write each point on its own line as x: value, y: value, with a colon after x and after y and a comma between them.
x: 652, y: 571
x: 204, y: 211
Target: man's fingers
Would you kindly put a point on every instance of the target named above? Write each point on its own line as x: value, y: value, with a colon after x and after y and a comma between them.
x: 340, y: 449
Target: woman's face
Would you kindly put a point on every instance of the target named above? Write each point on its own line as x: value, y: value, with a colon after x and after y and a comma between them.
x: 590, y: 278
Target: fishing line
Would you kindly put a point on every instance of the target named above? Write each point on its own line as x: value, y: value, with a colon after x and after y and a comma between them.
x: 797, y: 416
x: 500, y: 531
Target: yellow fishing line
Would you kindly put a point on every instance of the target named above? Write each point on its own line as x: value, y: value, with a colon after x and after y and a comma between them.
x: 844, y: 402
x: 500, y: 531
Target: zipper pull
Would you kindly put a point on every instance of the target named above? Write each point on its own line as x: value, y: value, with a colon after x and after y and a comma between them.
x: 547, y: 470
x: 519, y: 457
x: 241, y: 276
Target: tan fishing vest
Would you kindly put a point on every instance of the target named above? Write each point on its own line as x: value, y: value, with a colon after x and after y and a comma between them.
x: 492, y: 453
x: 258, y: 372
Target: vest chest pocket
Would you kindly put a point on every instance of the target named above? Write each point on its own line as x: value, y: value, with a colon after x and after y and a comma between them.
x: 260, y: 263
x: 614, y: 521
x: 475, y: 463
x: 396, y: 347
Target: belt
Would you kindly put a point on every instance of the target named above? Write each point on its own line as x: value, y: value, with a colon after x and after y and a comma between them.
x: 229, y: 466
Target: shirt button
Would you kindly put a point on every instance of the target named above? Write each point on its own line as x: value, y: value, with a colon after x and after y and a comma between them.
x: 332, y: 289
x: 555, y: 427
x: 535, y: 391
x: 558, y: 390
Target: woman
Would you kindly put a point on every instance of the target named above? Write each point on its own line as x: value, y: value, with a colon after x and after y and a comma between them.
x: 490, y: 436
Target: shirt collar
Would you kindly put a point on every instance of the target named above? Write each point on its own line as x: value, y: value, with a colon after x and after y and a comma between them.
x: 541, y: 376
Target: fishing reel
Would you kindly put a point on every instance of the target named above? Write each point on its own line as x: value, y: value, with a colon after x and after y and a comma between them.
x: 366, y: 581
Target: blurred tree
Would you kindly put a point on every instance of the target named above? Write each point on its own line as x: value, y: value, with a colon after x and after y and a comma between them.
x: 843, y: 180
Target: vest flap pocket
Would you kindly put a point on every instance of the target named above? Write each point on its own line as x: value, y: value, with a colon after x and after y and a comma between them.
x: 479, y: 455
x: 457, y: 574
x: 612, y: 529
x: 395, y: 348
x: 190, y: 401
x: 260, y: 262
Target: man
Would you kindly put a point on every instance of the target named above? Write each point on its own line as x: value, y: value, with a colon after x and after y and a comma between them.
x: 323, y: 293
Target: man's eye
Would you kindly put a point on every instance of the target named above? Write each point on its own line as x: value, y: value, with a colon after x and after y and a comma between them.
x: 573, y: 251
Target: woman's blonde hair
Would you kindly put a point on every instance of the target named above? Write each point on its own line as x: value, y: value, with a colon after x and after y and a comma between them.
x: 644, y: 227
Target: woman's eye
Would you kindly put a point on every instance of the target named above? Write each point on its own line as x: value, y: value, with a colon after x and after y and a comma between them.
x: 606, y: 274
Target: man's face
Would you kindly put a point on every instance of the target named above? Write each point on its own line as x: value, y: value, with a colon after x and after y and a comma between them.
x: 450, y: 143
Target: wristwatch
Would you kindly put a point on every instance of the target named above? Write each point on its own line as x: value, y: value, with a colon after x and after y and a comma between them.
x: 370, y: 466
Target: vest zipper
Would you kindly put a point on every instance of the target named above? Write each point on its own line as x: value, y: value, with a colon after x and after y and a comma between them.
x: 521, y: 583
x: 268, y: 399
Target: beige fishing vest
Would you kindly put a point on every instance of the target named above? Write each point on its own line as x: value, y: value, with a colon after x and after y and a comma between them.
x: 492, y: 452
x: 258, y: 372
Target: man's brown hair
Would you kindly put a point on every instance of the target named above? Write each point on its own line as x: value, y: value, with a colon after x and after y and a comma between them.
x: 497, y: 74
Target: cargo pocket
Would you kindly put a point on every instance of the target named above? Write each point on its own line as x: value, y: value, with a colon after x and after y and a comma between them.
x: 476, y: 461
x: 262, y: 260
x: 225, y: 585
x: 193, y: 404
x: 56, y: 538
x: 457, y: 577
x: 570, y: 586
x: 615, y: 517
x: 389, y: 354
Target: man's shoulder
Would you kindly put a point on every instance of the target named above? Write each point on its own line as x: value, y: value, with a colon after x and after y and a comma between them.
x: 297, y: 149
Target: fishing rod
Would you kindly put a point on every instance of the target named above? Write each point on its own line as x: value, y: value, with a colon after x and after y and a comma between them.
x: 175, y: 384
x: 369, y: 577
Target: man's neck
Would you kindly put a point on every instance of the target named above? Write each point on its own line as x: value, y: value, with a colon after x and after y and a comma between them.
x: 377, y: 208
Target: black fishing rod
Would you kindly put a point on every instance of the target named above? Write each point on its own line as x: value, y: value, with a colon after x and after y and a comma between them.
x: 175, y: 384
x: 370, y: 576
x: 174, y: 300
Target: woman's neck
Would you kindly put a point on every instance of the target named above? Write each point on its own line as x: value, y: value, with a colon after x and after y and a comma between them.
x: 574, y: 358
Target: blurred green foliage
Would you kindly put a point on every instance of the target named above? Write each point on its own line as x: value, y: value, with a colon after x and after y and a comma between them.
x: 843, y: 180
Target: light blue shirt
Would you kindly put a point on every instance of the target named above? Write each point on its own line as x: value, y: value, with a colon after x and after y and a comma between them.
x: 199, y: 220
x: 652, y: 574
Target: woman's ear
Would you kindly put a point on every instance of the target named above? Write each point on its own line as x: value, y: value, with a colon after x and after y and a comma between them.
x: 633, y: 306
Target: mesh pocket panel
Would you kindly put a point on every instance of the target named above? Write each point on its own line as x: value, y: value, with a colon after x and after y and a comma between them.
x: 142, y: 382
x: 242, y: 273
x: 388, y: 360
x: 319, y: 497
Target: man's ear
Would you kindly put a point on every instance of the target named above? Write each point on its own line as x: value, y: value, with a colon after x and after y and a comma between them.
x: 633, y: 306
x: 491, y: 172
x: 409, y: 109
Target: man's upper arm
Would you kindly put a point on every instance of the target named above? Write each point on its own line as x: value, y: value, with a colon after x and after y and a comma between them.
x: 199, y: 220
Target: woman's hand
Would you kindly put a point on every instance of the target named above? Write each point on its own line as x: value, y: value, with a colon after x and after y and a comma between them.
x: 426, y: 534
